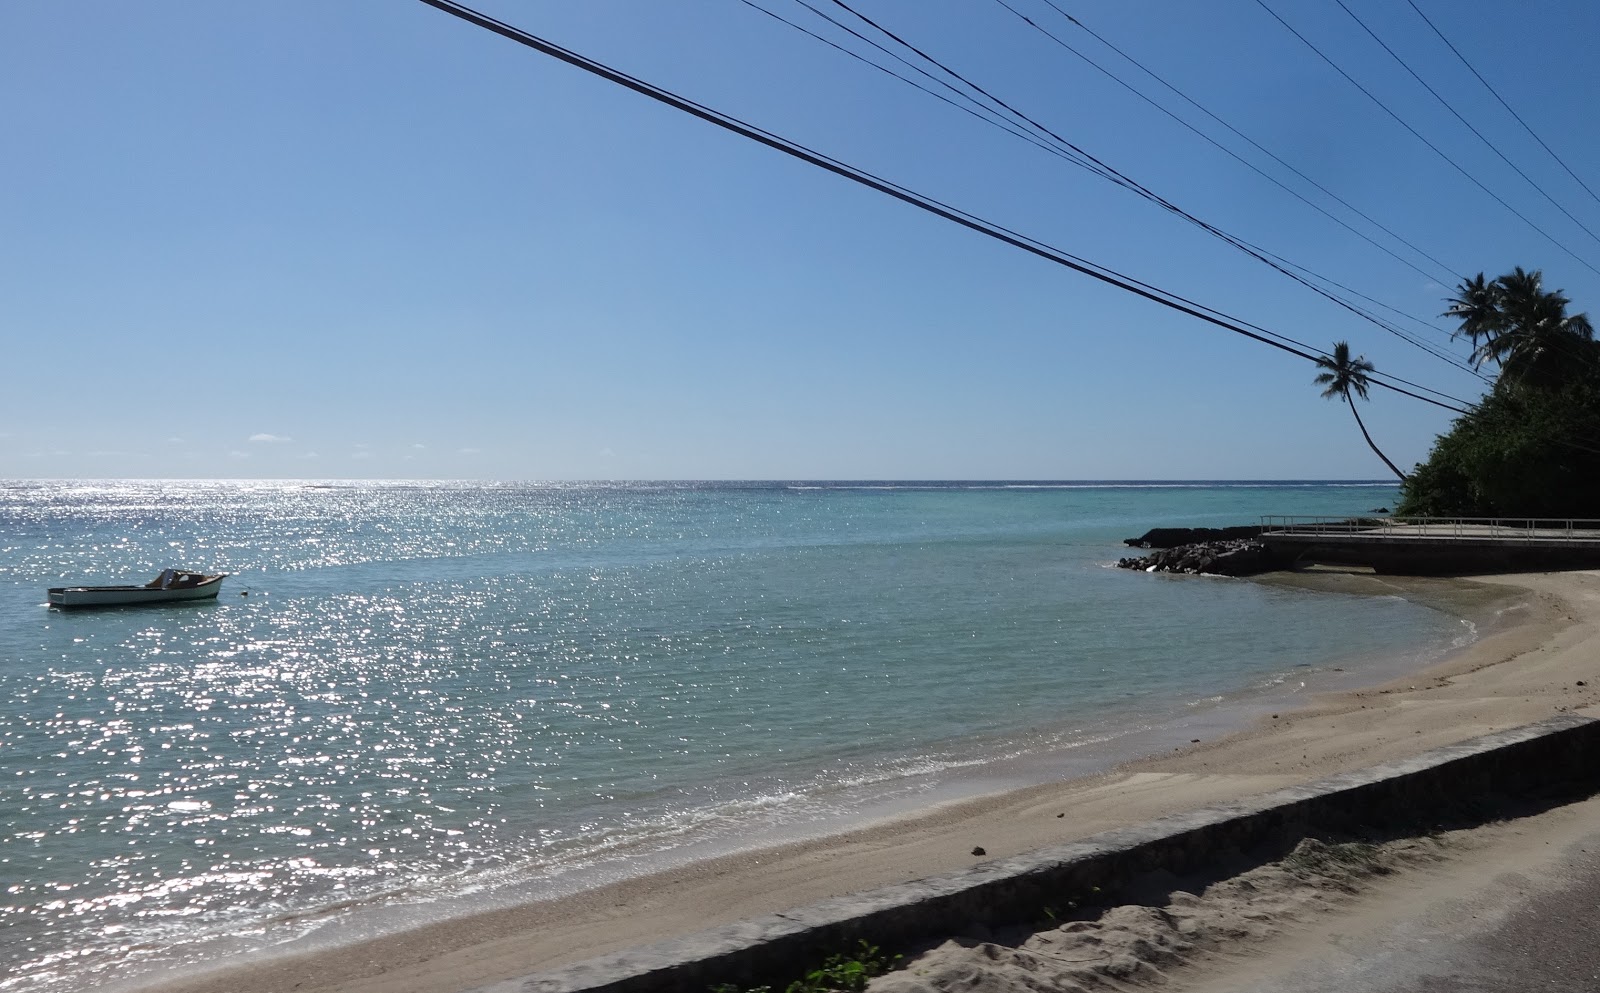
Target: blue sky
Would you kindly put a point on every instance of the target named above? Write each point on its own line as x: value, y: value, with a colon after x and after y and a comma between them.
x: 365, y: 239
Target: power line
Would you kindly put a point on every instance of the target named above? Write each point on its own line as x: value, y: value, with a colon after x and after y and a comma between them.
x: 1432, y: 350
x: 1265, y: 151
x: 969, y: 107
x: 1133, y: 185
x: 972, y: 222
x: 1418, y: 135
x: 1507, y: 106
x: 1247, y: 163
x: 986, y: 115
x: 1463, y: 120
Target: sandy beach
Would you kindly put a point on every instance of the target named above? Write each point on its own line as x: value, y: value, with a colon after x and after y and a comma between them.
x: 1541, y: 658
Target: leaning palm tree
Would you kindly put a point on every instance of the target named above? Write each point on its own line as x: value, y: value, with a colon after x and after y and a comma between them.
x: 1344, y: 376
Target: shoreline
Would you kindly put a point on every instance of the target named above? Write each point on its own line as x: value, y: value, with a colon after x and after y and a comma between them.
x: 1468, y: 692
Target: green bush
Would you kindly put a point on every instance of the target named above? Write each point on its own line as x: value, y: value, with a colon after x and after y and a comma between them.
x: 1531, y: 448
x: 1524, y: 452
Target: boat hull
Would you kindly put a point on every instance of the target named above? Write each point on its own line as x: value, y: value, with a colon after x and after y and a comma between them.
x: 127, y: 596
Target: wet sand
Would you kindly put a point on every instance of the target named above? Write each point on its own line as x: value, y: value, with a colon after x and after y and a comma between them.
x: 1515, y: 674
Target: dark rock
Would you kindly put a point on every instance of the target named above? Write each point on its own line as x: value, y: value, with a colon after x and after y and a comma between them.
x: 979, y: 851
x: 1378, y: 510
x: 1173, y: 537
x: 1236, y: 557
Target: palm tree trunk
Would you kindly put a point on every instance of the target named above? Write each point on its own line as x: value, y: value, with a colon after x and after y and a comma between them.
x: 1370, y: 445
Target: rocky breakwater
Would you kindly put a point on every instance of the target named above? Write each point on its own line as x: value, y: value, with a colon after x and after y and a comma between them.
x: 1212, y: 551
x: 1225, y: 557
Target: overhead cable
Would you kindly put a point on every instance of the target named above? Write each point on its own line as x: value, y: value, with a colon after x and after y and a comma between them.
x: 1492, y: 147
x: 965, y: 103
x: 1418, y: 135
x: 1525, y: 126
x: 1261, y: 148
x: 972, y: 222
x: 961, y: 101
x: 1127, y: 182
x: 1236, y: 156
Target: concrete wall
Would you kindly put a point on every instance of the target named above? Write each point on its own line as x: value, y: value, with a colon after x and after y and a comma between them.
x: 776, y: 948
x: 1435, y: 556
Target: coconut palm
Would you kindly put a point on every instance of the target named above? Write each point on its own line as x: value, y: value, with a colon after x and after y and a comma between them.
x: 1526, y: 331
x: 1344, y: 376
x: 1477, y: 306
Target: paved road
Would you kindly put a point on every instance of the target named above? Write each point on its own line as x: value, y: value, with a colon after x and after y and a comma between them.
x: 1529, y: 924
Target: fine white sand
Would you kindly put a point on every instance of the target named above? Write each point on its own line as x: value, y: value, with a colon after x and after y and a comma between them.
x: 1515, y: 675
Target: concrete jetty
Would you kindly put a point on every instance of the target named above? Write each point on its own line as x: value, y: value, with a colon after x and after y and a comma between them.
x: 1435, y: 546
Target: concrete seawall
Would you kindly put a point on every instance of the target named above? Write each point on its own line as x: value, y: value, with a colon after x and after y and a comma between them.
x: 1559, y: 752
x: 1403, y: 550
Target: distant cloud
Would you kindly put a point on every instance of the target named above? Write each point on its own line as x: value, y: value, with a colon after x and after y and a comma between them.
x: 419, y: 445
x: 607, y: 453
x: 363, y: 454
x: 470, y: 451
x: 311, y: 455
x: 269, y: 438
x: 174, y: 441
x: 236, y: 454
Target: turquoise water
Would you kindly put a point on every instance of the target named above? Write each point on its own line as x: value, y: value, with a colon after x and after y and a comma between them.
x: 436, y: 693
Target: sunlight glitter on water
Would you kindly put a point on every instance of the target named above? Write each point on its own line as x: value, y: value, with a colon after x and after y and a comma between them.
x: 448, y: 688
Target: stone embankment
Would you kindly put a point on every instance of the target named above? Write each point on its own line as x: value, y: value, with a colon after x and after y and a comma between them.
x: 1211, y: 551
x: 1226, y: 557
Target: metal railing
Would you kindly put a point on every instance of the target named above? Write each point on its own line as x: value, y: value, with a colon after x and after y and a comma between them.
x: 1518, y: 530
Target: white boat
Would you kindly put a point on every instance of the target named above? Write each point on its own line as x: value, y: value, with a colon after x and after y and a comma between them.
x: 171, y: 585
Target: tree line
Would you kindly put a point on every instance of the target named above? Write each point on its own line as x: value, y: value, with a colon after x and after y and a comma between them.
x: 1531, y: 447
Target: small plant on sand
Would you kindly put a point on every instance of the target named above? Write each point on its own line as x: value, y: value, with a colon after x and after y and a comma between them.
x: 840, y: 973
x: 846, y: 973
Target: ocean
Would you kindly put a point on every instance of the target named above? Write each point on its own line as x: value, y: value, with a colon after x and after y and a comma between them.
x: 415, y: 699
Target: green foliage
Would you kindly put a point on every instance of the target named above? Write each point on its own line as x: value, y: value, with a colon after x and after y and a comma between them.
x: 1532, y: 446
x: 1343, y: 375
x: 1521, y: 327
x: 846, y: 973
x: 839, y: 973
x: 1524, y: 452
